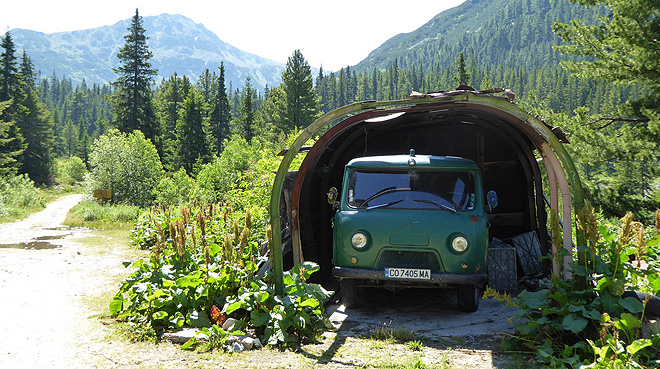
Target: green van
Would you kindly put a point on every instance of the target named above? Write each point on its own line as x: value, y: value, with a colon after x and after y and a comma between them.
x: 411, y: 221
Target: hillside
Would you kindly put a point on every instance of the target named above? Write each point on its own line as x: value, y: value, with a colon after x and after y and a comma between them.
x: 513, y: 32
x: 178, y: 45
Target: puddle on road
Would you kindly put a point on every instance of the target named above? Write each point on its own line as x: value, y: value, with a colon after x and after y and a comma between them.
x: 42, y: 242
x: 60, y: 228
x: 48, y: 238
x: 32, y: 245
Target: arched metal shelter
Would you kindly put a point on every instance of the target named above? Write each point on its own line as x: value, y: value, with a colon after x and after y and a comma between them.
x: 506, y: 142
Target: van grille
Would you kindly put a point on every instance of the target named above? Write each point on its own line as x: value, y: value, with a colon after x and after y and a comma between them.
x: 408, y: 259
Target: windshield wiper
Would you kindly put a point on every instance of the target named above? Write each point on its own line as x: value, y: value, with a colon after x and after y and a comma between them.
x: 383, y: 205
x: 383, y: 192
x: 442, y: 206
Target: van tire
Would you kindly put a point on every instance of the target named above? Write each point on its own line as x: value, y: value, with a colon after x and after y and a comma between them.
x: 468, y: 298
x: 350, y: 295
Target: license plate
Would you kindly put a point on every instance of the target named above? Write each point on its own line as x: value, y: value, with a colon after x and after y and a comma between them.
x: 406, y: 273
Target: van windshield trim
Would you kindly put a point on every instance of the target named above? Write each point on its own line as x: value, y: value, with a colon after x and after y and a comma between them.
x: 428, y: 189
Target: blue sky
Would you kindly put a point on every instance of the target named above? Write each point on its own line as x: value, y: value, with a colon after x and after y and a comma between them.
x: 330, y: 33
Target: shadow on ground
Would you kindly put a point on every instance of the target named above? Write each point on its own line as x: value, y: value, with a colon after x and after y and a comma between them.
x: 431, y: 316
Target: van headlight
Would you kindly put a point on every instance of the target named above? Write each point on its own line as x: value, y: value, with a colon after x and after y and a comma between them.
x: 459, y: 244
x: 359, y: 240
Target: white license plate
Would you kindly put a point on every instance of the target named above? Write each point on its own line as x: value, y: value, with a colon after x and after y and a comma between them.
x: 406, y: 273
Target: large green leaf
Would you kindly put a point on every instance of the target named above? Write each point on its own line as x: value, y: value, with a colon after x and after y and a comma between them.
x: 160, y: 315
x: 199, y: 319
x: 178, y: 320
x: 534, y: 300
x: 189, y: 344
x: 310, y: 302
x: 190, y: 281
x: 574, y: 323
x: 629, y: 321
x: 654, y: 281
x: 637, y: 345
x: 234, y: 306
x: 632, y: 305
x: 117, y: 304
x: 214, y: 248
x: 259, y: 318
x: 610, y: 302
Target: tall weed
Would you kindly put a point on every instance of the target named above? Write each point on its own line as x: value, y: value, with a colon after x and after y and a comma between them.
x: 568, y: 326
x: 202, y: 271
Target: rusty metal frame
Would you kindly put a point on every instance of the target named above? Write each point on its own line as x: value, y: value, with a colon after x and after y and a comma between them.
x: 558, y: 161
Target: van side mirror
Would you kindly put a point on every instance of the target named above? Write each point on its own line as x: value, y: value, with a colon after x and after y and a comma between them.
x: 491, y: 198
x: 333, y: 197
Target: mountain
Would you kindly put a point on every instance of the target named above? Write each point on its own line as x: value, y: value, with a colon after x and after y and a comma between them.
x: 178, y: 45
x: 496, y: 32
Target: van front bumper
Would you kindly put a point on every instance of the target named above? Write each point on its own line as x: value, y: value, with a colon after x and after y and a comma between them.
x: 436, y: 278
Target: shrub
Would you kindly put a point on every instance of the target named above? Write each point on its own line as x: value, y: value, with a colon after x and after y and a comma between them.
x: 175, y: 190
x: 16, y: 194
x: 217, y: 177
x: 74, y: 168
x: 128, y: 165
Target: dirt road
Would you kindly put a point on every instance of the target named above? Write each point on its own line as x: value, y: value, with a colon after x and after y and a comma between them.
x: 48, y: 283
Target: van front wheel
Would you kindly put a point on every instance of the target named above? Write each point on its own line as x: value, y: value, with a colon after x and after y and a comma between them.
x: 350, y: 295
x: 468, y: 298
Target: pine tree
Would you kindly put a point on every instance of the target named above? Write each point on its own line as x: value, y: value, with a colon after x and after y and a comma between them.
x: 8, y: 159
x: 321, y: 90
x: 206, y: 83
x: 70, y: 138
x: 246, y: 119
x: 220, y: 116
x: 9, y: 80
x: 169, y: 101
x: 622, y: 48
x: 272, y: 113
x: 302, y: 102
x: 83, y: 145
x: 37, y: 130
x: 36, y: 127
x: 191, y: 141
x: 462, y: 75
x: 11, y: 141
x: 133, y: 107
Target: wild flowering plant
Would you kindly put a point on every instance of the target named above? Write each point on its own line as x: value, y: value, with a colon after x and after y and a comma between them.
x: 202, y: 271
x: 567, y: 325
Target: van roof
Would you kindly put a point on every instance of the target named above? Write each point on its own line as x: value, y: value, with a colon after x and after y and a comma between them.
x: 420, y: 161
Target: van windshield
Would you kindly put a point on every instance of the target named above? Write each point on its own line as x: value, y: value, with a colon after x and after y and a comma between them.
x: 415, y: 189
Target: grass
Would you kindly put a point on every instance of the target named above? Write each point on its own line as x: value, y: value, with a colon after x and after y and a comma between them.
x: 388, y: 333
x: 40, y: 196
x: 91, y: 214
x: 415, y: 345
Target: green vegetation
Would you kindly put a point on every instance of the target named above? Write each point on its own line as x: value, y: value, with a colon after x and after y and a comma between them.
x: 132, y: 98
x: 128, y: 165
x: 17, y: 196
x: 91, y: 214
x: 565, y: 325
x: 202, y: 271
x: 386, y: 332
x: 415, y: 345
x: 71, y: 170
